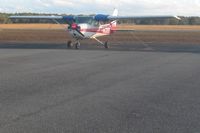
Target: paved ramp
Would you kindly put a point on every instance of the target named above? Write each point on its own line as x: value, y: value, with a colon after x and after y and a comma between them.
x: 98, y: 91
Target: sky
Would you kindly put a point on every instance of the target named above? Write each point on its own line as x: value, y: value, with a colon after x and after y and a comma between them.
x: 126, y: 7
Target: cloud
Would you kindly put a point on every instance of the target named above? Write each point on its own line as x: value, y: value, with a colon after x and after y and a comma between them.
x: 63, y: 3
x: 43, y: 3
x: 126, y: 7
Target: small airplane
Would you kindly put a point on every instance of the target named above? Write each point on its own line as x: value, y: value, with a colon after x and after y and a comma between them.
x: 90, y: 27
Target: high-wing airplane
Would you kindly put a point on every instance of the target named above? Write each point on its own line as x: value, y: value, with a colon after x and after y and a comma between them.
x: 90, y: 27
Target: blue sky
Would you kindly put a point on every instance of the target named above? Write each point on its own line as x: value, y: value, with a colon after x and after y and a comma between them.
x: 126, y: 7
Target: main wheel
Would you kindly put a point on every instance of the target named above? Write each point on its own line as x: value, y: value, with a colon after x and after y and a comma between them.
x: 106, y: 45
x: 77, y: 45
x: 69, y: 44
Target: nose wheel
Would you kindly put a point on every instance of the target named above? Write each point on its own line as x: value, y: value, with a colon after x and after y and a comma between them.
x: 69, y: 44
x: 77, y: 45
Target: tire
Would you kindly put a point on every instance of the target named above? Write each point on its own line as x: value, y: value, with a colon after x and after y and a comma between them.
x: 69, y: 44
x: 77, y: 46
x: 106, y: 45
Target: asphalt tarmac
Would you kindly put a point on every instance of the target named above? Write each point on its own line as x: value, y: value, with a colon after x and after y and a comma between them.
x: 147, y: 88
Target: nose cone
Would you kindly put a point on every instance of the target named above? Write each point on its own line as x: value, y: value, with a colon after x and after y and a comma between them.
x: 74, y: 26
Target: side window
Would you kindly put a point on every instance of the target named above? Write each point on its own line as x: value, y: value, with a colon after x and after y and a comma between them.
x: 96, y: 23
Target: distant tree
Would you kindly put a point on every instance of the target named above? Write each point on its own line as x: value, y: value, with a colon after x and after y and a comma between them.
x: 194, y: 21
x: 173, y: 21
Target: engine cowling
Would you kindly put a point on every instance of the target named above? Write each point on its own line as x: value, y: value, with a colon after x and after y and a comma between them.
x: 101, y: 17
x: 74, y: 26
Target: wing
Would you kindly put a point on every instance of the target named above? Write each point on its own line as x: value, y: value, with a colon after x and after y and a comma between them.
x: 102, y: 17
x: 68, y: 19
x: 141, y: 17
x: 36, y: 17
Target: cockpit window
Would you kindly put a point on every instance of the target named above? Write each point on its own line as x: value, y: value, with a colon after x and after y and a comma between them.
x: 86, y: 19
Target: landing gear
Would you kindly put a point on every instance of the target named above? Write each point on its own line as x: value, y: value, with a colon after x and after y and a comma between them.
x: 77, y: 45
x: 104, y: 44
x: 69, y: 44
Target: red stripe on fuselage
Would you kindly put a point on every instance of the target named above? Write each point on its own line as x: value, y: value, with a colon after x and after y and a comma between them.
x: 95, y: 31
x: 108, y: 27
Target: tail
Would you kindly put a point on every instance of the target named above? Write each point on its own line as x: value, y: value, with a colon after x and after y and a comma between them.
x: 114, y: 23
x: 115, y: 12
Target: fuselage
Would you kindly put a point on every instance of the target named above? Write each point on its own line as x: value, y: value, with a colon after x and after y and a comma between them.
x: 87, y: 27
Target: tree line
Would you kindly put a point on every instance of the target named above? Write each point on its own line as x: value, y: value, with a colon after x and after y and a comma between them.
x: 4, y: 19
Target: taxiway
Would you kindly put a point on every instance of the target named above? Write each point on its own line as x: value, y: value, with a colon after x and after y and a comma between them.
x: 128, y: 89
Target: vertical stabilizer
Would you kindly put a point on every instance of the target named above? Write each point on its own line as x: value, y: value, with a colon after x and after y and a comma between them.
x: 114, y: 23
x: 115, y: 13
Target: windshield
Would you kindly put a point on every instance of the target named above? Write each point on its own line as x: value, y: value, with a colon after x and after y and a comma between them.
x: 86, y: 19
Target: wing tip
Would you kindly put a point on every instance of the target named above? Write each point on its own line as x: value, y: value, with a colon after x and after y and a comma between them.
x: 177, y: 17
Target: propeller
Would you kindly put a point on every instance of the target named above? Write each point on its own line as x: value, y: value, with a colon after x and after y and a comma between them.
x: 77, y: 28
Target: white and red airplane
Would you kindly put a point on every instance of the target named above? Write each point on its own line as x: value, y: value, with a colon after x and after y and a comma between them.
x: 90, y: 27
